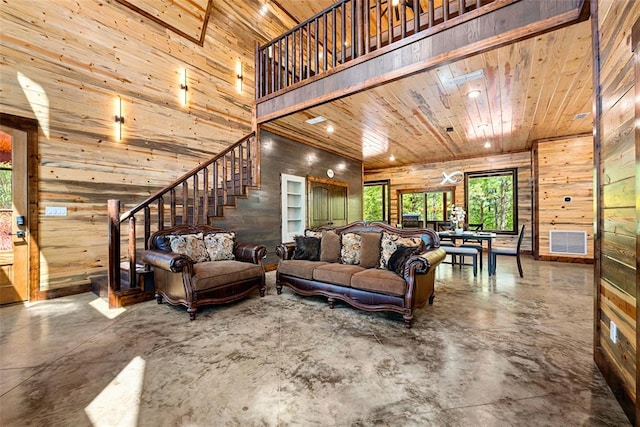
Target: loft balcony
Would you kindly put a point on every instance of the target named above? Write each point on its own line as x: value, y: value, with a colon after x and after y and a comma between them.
x: 354, y: 45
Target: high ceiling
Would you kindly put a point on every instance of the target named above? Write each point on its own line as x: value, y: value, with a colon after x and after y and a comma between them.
x: 538, y: 88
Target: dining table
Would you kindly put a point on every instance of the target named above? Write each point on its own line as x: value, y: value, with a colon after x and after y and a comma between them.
x: 465, y: 236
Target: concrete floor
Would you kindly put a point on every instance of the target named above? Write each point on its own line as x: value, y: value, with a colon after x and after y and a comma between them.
x: 491, y: 351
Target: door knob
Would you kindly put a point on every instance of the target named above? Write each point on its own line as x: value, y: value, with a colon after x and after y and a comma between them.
x: 19, y: 234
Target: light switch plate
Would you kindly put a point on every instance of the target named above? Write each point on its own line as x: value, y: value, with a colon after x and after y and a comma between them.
x: 613, y: 332
x: 55, y: 211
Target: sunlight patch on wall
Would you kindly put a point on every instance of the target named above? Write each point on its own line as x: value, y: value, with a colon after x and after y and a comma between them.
x: 38, y: 100
x: 119, y: 402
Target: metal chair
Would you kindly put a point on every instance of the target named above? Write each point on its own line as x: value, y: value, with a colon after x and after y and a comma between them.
x: 508, y: 252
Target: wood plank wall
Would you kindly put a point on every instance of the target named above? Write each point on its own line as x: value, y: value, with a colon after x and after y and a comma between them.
x: 257, y: 218
x: 429, y: 176
x: 66, y: 66
x: 564, y: 167
x: 616, y: 283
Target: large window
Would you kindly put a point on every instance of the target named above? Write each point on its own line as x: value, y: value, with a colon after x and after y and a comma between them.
x: 376, y: 201
x: 424, y: 208
x: 492, y: 199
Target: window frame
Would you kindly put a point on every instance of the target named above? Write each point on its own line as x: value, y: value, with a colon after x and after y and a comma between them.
x: 386, y: 197
x: 513, y: 172
x: 446, y: 202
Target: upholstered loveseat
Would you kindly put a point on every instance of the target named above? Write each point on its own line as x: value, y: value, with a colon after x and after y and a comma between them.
x: 369, y: 265
x: 198, y: 265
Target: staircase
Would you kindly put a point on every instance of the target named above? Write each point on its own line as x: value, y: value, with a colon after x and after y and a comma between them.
x: 198, y: 197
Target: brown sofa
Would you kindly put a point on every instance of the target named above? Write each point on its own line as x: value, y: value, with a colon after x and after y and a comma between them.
x: 199, y: 265
x: 369, y: 265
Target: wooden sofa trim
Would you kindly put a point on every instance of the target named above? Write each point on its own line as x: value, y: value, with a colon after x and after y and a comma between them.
x: 174, y: 267
x: 420, y: 286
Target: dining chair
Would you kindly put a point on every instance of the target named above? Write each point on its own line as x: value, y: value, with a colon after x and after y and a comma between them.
x: 474, y: 243
x: 508, y: 252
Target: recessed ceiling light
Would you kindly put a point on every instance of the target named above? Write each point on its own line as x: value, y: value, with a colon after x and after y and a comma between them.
x: 487, y: 144
x: 580, y: 116
x: 314, y: 120
x: 474, y: 94
x: 264, y: 9
x: 330, y: 129
x: 392, y: 158
x: 483, y: 125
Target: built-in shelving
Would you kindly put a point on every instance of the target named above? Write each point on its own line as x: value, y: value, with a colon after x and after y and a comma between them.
x: 294, y: 200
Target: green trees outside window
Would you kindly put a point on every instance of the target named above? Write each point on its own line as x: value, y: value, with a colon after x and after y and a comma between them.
x: 376, y: 201
x: 424, y: 208
x: 492, y: 199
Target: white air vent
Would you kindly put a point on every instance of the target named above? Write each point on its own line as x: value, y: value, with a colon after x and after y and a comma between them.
x: 315, y: 120
x: 568, y: 242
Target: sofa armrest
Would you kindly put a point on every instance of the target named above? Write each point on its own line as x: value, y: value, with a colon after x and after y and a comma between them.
x: 249, y: 252
x: 285, y: 250
x: 433, y: 257
x: 166, y: 260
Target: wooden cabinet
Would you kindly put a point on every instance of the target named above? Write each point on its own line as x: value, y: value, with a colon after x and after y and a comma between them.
x: 327, y: 202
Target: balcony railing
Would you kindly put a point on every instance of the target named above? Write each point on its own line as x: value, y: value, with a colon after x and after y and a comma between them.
x: 345, y: 31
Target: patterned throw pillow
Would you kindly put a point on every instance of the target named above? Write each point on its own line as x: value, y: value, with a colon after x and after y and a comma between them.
x: 191, y: 245
x: 312, y: 233
x: 351, y: 248
x: 390, y: 243
x: 220, y: 245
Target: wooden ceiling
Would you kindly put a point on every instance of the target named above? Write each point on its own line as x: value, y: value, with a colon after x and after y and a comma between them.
x: 534, y: 89
x: 529, y: 90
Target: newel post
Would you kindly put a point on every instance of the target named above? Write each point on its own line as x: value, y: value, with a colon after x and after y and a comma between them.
x: 113, y: 273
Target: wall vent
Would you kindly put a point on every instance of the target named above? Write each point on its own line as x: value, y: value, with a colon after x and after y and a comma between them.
x: 568, y: 242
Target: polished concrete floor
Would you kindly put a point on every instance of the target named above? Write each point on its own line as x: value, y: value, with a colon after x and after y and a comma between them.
x: 499, y: 351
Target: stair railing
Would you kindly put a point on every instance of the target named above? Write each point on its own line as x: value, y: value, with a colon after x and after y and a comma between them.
x: 195, y: 198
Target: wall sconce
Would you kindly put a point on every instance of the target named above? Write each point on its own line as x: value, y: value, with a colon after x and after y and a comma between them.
x: 239, y: 77
x: 183, y: 86
x: 119, y: 119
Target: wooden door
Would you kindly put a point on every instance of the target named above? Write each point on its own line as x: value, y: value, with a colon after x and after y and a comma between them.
x: 327, y: 203
x: 14, y: 254
x: 338, y: 205
x: 319, y: 205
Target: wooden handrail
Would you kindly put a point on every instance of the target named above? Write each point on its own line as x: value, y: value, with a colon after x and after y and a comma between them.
x: 181, y: 180
x: 233, y: 170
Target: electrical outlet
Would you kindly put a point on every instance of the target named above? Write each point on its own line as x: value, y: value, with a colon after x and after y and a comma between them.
x: 613, y: 332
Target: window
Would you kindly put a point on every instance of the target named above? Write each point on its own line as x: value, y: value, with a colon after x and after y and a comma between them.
x: 376, y: 201
x: 492, y: 199
x: 6, y: 207
x: 424, y: 208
